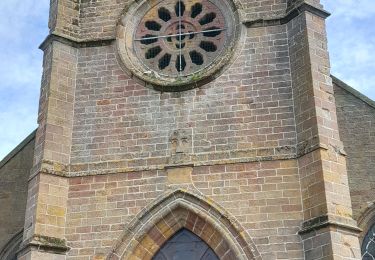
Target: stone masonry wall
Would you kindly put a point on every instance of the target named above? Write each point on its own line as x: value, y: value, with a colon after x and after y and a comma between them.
x: 53, y: 141
x: 265, y: 198
x: 14, y: 173
x: 357, y: 130
x: 245, y: 113
x: 324, y: 180
x: 318, y: 137
x: 64, y: 18
x: 294, y: 3
x: 258, y: 146
x: 96, y: 20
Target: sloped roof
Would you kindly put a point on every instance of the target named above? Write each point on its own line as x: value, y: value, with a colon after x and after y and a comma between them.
x: 16, y: 150
x: 352, y: 91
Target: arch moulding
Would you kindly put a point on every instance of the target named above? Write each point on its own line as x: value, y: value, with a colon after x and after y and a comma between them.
x: 366, y: 220
x: 178, y: 209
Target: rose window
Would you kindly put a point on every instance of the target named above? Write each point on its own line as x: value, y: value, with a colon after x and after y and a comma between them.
x: 180, y: 39
x: 177, y: 42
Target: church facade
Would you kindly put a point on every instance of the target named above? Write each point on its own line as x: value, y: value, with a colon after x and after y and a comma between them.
x: 191, y: 129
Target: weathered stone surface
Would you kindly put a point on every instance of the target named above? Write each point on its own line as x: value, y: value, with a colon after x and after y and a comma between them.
x: 134, y: 125
x: 179, y: 175
x: 356, y: 116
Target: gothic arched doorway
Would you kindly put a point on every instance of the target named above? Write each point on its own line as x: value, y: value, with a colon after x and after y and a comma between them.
x: 185, y: 245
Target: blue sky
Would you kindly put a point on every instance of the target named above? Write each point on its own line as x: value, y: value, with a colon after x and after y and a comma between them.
x: 23, y: 26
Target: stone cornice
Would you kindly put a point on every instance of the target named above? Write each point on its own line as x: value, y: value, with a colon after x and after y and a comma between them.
x: 74, y: 42
x: 78, y: 43
x: 45, y: 243
x: 304, y: 7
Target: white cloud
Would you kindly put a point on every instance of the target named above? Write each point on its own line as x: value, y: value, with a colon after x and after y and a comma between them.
x: 351, y: 38
x: 22, y: 30
x: 23, y: 26
x: 350, y: 9
x: 20, y: 19
x: 17, y: 125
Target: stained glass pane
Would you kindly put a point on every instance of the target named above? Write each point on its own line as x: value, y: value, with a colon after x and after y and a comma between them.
x: 368, y: 245
x: 185, y: 245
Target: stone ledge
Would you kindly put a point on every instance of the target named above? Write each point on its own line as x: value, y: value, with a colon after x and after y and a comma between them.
x: 46, y: 244
x: 113, y: 167
x: 74, y: 42
x: 324, y: 221
x: 304, y: 7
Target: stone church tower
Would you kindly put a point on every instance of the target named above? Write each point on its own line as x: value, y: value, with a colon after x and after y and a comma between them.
x: 167, y: 123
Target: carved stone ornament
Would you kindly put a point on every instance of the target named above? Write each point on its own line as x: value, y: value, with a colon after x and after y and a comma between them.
x: 181, y: 141
x: 175, y: 45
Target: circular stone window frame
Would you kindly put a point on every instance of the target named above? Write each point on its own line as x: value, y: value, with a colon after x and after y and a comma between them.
x: 130, y: 62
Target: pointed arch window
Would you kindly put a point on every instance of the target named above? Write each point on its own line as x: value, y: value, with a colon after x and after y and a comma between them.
x: 185, y: 245
x: 368, y: 244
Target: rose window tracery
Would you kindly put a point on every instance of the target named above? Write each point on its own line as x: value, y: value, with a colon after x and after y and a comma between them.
x: 182, y: 38
x: 175, y: 43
